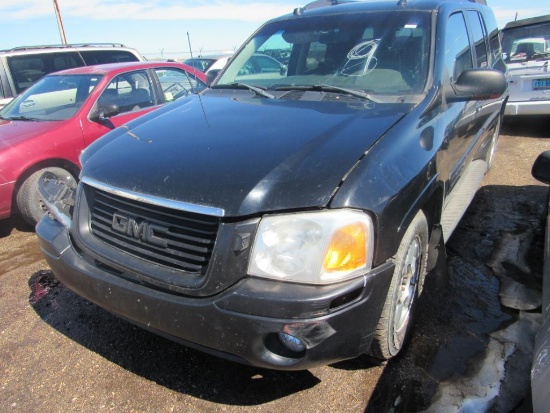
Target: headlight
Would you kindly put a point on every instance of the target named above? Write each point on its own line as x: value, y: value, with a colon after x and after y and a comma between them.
x: 58, y: 196
x: 313, y: 247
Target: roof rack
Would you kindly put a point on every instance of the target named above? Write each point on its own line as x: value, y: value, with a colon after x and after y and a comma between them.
x: 325, y: 3
x: 63, y: 46
x: 528, y: 21
x: 320, y: 3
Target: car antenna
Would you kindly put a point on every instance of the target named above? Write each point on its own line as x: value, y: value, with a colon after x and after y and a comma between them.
x: 195, y: 74
x: 190, y: 49
x: 191, y: 53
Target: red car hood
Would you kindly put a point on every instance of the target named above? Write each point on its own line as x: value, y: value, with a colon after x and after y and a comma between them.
x: 15, y: 131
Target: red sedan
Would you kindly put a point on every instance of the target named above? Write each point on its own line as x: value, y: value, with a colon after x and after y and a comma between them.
x: 46, y: 127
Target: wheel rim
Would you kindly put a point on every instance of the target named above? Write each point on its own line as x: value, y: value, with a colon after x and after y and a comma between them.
x: 406, y: 292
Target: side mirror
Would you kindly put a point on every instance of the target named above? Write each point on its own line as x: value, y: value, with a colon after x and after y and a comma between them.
x: 211, y: 75
x: 477, y: 84
x: 104, y: 112
x: 541, y: 168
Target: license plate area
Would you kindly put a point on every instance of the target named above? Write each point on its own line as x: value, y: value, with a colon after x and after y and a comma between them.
x: 541, y: 84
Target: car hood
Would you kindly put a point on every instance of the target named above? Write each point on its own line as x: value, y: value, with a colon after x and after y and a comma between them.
x: 15, y: 131
x: 245, y: 155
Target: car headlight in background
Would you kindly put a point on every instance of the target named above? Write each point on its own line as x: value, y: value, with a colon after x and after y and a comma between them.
x: 313, y: 247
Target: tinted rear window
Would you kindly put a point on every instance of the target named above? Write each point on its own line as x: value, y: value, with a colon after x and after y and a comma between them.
x: 98, y: 57
x: 28, y: 69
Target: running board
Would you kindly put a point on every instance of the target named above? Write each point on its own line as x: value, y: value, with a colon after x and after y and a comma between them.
x: 461, y: 196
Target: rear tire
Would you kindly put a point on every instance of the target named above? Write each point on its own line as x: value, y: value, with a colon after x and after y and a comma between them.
x: 29, y: 204
x: 408, y: 279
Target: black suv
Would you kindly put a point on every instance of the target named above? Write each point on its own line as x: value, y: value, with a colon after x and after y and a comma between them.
x: 288, y: 218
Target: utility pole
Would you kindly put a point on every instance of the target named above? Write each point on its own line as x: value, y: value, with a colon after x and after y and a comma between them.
x: 59, y: 22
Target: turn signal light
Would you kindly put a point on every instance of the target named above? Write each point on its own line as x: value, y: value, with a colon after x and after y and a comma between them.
x: 347, y: 249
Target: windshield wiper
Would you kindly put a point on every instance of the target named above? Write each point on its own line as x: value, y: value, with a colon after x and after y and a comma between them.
x: 25, y: 118
x: 257, y: 90
x: 541, y: 56
x: 331, y: 88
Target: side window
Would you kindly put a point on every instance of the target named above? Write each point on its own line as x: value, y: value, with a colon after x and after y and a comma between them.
x: 316, y: 57
x: 129, y: 91
x: 26, y: 70
x: 98, y: 57
x: 458, y: 55
x: 479, y: 34
x: 64, y: 61
x: 177, y: 83
x: 494, y: 42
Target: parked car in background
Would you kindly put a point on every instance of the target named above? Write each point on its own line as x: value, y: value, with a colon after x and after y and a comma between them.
x: 540, y: 371
x: 288, y: 219
x: 526, y: 50
x: 262, y: 64
x: 205, y: 63
x: 21, y: 67
x: 46, y: 127
x: 258, y: 64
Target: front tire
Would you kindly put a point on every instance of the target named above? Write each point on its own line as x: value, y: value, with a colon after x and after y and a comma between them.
x: 408, y: 279
x: 29, y: 204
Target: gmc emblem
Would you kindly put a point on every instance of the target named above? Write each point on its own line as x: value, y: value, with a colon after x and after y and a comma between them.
x: 140, y: 230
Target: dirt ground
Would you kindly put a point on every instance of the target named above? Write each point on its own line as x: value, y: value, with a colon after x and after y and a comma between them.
x: 60, y: 353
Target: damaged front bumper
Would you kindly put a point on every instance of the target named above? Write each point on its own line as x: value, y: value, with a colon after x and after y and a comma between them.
x: 242, y: 323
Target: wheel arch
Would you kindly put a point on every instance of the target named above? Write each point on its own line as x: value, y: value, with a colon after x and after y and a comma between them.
x: 46, y: 163
x: 433, y: 209
x: 430, y: 202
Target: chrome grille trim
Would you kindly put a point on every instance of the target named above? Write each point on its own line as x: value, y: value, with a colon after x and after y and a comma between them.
x: 149, y: 199
x: 187, y: 238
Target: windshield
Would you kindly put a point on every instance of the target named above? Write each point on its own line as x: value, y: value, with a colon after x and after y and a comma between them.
x: 526, y: 43
x: 54, y: 97
x: 379, y: 53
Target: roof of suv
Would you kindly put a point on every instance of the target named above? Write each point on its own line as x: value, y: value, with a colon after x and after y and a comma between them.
x: 23, y: 50
x: 527, y: 22
x: 320, y: 6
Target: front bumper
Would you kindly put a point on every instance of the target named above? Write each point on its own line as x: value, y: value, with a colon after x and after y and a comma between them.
x: 242, y: 323
x: 535, y: 107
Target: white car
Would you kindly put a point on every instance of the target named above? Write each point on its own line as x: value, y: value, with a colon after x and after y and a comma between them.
x: 21, y: 67
x: 526, y: 47
x: 209, y: 62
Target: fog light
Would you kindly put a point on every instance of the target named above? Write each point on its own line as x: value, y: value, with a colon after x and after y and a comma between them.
x: 292, y: 343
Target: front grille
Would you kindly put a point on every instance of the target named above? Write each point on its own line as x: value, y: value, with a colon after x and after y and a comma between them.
x: 174, y: 239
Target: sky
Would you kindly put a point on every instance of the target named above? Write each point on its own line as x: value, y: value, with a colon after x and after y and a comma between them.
x: 165, y: 28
